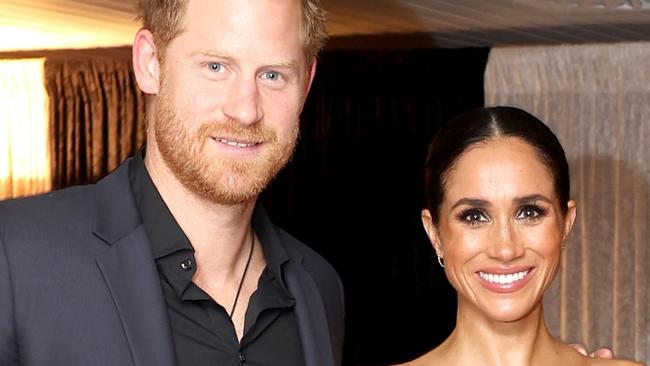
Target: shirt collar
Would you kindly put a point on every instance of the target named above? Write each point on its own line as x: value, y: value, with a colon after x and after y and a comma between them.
x: 274, y: 252
x: 166, y: 236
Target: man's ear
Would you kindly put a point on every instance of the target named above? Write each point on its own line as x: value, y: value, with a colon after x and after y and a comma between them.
x: 145, y: 62
x: 311, y: 73
x: 432, y: 232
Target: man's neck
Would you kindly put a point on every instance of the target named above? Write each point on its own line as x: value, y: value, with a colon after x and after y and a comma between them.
x: 219, y: 233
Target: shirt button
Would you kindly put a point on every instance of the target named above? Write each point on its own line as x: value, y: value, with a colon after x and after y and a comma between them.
x: 242, y: 358
x: 186, y: 264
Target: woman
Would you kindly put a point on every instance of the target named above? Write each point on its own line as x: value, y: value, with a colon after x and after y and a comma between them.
x: 498, y: 214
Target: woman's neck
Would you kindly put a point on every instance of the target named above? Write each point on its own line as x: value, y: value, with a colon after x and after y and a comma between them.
x: 478, y: 340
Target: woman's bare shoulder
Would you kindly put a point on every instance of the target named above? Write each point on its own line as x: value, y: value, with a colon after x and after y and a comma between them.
x: 427, y: 359
x: 417, y: 362
x: 614, y: 362
x: 572, y: 357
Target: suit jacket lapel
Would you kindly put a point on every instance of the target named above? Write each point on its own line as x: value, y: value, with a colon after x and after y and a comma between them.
x: 129, y: 271
x: 310, y: 313
x: 310, y: 316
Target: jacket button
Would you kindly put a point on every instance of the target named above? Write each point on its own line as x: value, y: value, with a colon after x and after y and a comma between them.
x: 242, y: 358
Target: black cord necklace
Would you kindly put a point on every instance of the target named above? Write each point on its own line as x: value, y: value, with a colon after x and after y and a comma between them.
x: 241, y: 282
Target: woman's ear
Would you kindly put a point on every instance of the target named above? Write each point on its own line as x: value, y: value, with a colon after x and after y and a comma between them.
x: 569, y: 218
x: 432, y: 232
x: 145, y: 62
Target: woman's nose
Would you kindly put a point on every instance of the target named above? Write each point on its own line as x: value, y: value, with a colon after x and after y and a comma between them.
x: 505, y: 245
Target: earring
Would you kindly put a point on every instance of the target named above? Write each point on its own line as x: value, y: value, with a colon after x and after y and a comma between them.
x: 440, y: 261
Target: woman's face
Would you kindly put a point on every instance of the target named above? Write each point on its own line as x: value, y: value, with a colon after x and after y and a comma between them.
x: 501, y: 229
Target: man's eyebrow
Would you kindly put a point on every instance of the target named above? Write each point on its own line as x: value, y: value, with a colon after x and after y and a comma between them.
x: 208, y: 53
x: 291, y: 64
x: 475, y: 202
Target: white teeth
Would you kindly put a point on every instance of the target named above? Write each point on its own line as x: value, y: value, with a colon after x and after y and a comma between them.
x: 235, y: 143
x: 503, y: 279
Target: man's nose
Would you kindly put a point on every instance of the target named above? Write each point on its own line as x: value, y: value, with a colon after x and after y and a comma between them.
x: 506, y: 245
x: 243, y: 102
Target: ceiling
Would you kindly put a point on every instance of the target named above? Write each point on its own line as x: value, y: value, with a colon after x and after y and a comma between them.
x: 45, y: 24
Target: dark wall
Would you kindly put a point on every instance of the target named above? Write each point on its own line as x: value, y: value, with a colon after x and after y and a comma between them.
x: 353, y: 190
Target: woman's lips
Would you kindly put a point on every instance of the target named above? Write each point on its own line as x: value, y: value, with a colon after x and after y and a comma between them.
x: 505, y: 281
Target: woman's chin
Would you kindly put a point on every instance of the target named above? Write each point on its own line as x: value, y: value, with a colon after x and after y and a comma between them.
x: 508, y: 311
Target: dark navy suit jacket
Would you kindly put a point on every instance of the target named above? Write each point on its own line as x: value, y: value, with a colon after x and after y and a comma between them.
x: 79, y: 285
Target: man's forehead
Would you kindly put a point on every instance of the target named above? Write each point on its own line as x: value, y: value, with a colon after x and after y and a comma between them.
x: 255, y: 31
x: 270, y: 20
x: 238, y: 11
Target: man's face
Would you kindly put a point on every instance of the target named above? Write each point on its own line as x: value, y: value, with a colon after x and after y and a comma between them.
x: 232, y: 88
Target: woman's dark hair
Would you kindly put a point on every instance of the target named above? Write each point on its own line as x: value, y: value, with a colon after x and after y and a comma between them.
x: 482, y: 124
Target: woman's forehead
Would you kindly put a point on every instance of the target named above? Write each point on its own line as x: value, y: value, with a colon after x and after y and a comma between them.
x: 499, y: 167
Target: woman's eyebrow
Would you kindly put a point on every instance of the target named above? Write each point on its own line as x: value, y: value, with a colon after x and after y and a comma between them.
x: 531, y: 199
x: 476, y: 202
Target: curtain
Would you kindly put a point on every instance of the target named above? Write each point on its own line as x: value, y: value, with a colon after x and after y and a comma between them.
x: 596, y: 98
x: 24, y: 153
x: 96, y: 115
x: 353, y: 191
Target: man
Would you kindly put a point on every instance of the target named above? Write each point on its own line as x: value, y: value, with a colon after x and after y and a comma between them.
x: 169, y: 260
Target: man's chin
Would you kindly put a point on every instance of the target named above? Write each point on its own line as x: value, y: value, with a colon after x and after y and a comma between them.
x: 228, y: 181
x: 230, y: 189
x: 231, y: 198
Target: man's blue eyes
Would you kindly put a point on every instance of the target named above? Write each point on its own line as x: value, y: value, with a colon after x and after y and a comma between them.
x: 272, y: 75
x: 215, y: 67
x: 268, y: 75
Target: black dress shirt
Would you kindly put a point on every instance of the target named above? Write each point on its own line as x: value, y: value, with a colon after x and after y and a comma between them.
x: 202, y: 330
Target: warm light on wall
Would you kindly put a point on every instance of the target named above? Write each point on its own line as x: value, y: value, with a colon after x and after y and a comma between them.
x: 24, y: 142
x: 22, y: 39
x: 56, y: 24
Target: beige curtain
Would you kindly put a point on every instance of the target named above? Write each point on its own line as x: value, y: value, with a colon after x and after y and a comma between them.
x: 24, y: 147
x: 96, y: 117
x: 597, y: 100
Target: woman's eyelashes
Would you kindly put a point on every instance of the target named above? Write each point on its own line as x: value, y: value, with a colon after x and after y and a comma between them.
x: 528, y: 213
x: 531, y: 213
x: 473, y: 216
